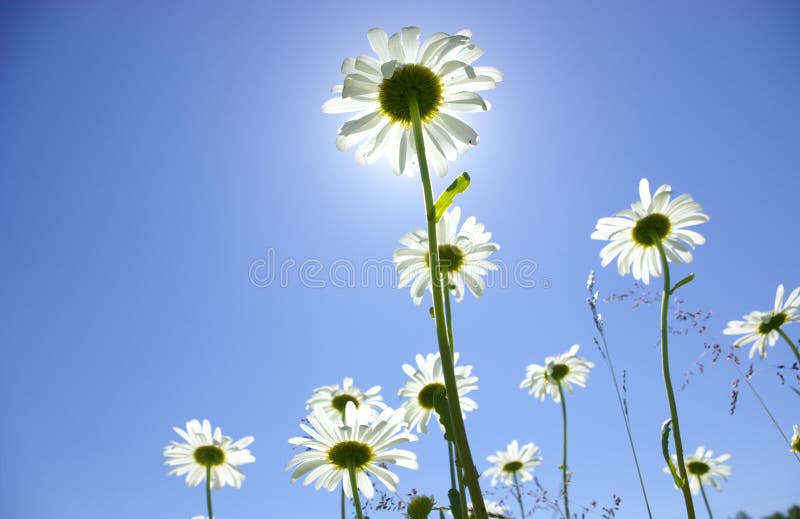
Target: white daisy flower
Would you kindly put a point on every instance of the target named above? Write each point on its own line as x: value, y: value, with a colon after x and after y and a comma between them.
x: 566, y: 369
x: 703, y: 467
x: 492, y: 509
x: 796, y: 439
x: 761, y: 328
x: 334, y: 398
x: 635, y: 232
x: 513, y: 461
x: 426, y: 380
x: 441, y: 76
x: 332, y: 446
x: 462, y: 256
x: 203, y: 450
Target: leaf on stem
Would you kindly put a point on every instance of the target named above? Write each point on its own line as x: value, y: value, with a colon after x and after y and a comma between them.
x: 459, y: 185
x: 665, y: 429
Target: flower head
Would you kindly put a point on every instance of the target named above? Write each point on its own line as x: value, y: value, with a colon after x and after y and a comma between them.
x: 703, y: 467
x: 333, y: 399
x: 565, y: 369
x: 513, y: 461
x: 426, y: 380
x: 462, y: 256
x: 796, y: 439
x: 333, y: 446
x: 204, y: 450
x: 492, y: 509
x: 439, y: 75
x: 761, y: 328
x: 634, y: 233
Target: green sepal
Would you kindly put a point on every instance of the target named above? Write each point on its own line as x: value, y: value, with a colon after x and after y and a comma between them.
x: 442, y: 408
x: 459, y: 185
x: 685, y: 281
x: 455, y: 502
x: 665, y: 429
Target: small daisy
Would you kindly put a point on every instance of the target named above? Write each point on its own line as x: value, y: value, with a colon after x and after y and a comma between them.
x: 492, y: 509
x: 796, y: 439
x: 439, y: 74
x: 368, y: 448
x: 566, y: 369
x: 762, y: 328
x: 204, y: 452
x: 635, y: 232
x: 513, y: 461
x: 462, y: 256
x: 703, y: 468
x: 426, y: 380
x: 333, y: 399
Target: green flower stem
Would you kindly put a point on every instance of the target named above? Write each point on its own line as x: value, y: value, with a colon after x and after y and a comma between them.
x: 344, y: 514
x: 519, y: 497
x: 565, y: 478
x: 626, y: 418
x: 673, y: 408
x: 354, y: 487
x: 766, y: 409
x: 208, y: 492
x: 452, y: 460
x: 459, y: 431
x: 792, y: 345
x: 705, y: 500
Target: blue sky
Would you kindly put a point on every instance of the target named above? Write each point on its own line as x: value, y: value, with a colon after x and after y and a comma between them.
x: 151, y: 155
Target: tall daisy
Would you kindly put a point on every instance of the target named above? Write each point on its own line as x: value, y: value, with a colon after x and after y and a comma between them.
x: 512, y: 466
x: 645, y: 239
x: 463, y: 256
x: 762, y: 328
x: 425, y: 381
x: 353, y: 449
x: 704, y: 469
x: 558, y: 373
x: 439, y: 74
x: 334, y: 398
x: 210, y: 456
x: 636, y: 233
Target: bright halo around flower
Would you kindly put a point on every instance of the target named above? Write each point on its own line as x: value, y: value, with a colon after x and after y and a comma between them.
x: 795, y: 439
x: 513, y: 460
x: 334, y: 398
x: 566, y: 369
x: 703, y: 467
x: 463, y: 256
x: 439, y: 74
x: 426, y: 380
x: 332, y: 446
x: 761, y: 328
x: 204, y: 449
x: 635, y: 232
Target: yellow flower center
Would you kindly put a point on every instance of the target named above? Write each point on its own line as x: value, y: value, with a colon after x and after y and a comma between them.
x: 339, y: 402
x: 451, y: 259
x: 774, y: 323
x: 698, y: 468
x: 417, y: 81
x: 651, y: 229
x: 209, y: 456
x: 425, y: 397
x: 558, y: 372
x: 343, y: 453
x: 512, y: 466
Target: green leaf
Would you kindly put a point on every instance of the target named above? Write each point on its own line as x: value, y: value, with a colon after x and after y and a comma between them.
x: 665, y: 451
x: 459, y: 185
x: 685, y: 281
x: 442, y: 408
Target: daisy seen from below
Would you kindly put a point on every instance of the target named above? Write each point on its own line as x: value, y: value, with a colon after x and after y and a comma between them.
x: 652, y: 223
x: 558, y: 373
x: 334, y: 398
x: 425, y: 381
x: 463, y: 254
x: 210, y: 456
x: 348, y: 452
x: 564, y: 370
x: 763, y: 328
x: 704, y: 469
x: 512, y: 466
x: 439, y: 75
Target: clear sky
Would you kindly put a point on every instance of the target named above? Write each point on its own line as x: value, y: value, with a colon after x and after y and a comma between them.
x: 152, y: 154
